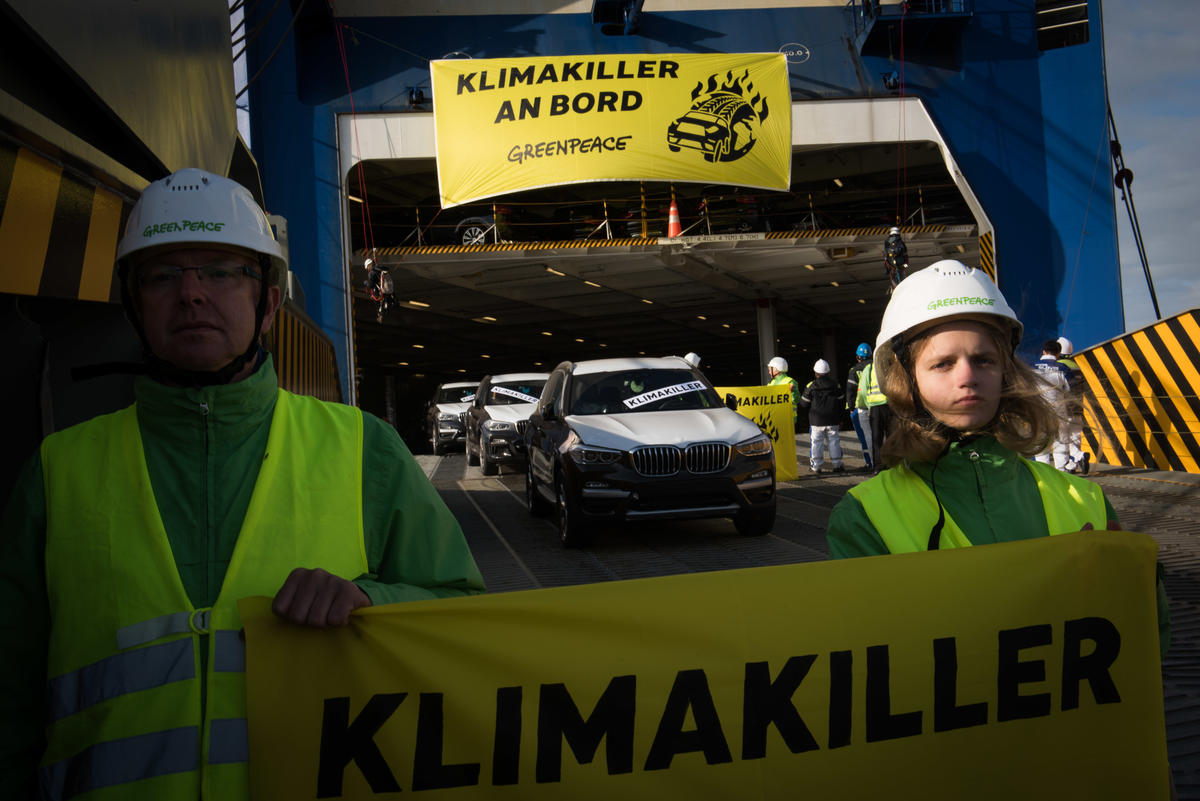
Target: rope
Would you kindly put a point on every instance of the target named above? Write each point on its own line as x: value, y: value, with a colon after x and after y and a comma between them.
x: 368, y: 229
x: 901, y: 150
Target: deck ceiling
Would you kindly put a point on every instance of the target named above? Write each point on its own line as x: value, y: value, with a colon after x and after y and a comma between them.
x: 506, y: 307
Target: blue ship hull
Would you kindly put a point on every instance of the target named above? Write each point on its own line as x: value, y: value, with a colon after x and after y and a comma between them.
x: 1026, y: 126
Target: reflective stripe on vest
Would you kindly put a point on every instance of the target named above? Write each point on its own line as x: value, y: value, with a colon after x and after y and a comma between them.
x: 874, y: 395
x: 124, y: 686
x: 903, y: 509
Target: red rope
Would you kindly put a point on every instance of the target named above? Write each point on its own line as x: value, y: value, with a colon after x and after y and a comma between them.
x: 368, y: 229
x: 901, y: 150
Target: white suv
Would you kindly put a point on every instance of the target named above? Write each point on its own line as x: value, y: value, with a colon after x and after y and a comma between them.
x: 635, y: 439
x: 443, y: 419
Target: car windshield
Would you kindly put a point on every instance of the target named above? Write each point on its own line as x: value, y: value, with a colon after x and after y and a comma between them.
x: 506, y: 393
x: 640, y: 391
x: 456, y: 395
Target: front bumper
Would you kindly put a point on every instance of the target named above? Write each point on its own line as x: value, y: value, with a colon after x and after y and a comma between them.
x: 504, y: 447
x: 618, y: 492
x: 450, y: 432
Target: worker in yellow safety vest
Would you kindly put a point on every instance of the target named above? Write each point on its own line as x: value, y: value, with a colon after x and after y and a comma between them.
x: 777, y: 369
x: 968, y: 414
x: 872, y: 405
x: 130, y: 538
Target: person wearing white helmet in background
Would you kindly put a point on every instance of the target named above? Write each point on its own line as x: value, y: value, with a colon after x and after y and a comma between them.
x: 693, y: 359
x: 777, y: 368
x: 130, y: 538
x: 1054, y: 390
x: 1080, y: 460
x: 967, y: 415
x: 823, y: 398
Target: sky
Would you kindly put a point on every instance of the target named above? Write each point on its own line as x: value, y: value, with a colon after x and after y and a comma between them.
x: 1153, y: 70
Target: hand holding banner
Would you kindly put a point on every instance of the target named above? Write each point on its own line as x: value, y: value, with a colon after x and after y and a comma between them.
x: 1022, y: 670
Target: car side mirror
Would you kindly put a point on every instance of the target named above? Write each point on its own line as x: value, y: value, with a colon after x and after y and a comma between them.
x: 731, y: 401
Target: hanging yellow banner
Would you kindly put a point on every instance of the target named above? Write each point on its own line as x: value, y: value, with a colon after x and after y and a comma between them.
x: 505, y: 125
x: 771, y: 407
x: 1024, y: 670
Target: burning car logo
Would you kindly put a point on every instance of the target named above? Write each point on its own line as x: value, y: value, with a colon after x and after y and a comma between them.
x: 722, y: 122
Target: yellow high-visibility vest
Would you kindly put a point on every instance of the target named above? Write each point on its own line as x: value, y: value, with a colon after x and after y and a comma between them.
x: 128, y: 717
x: 903, y: 509
x: 869, y: 392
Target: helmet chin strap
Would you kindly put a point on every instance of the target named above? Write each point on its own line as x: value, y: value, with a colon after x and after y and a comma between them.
x: 162, y: 370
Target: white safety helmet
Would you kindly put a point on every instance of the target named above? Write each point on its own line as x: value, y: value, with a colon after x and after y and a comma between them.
x: 194, y: 207
x: 821, y: 367
x: 942, y: 291
x: 779, y: 363
x: 693, y: 359
x: 1067, y: 347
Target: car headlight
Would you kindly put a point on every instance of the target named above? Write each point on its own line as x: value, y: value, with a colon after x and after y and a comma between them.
x: 755, y: 446
x: 499, y: 426
x: 445, y: 417
x: 592, y: 455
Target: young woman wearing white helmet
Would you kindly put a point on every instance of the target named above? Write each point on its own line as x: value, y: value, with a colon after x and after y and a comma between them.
x: 967, y: 415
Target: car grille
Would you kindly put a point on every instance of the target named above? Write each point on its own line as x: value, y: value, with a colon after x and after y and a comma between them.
x: 522, y: 427
x: 462, y: 419
x: 666, y: 460
x: 656, y: 460
x: 707, y: 457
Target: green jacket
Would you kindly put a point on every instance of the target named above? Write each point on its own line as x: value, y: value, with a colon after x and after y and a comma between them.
x: 978, y: 482
x: 203, y: 448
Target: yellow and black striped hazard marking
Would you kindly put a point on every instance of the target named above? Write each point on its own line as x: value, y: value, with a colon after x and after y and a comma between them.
x: 987, y: 255
x: 1142, y: 402
x: 58, y: 233
x: 304, y: 357
x: 646, y: 243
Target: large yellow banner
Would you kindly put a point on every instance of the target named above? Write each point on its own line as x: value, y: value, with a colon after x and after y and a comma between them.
x: 1025, y: 670
x: 509, y: 124
x: 771, y: 407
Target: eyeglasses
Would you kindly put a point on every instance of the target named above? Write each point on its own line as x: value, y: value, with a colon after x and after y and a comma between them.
x: 219, y: 275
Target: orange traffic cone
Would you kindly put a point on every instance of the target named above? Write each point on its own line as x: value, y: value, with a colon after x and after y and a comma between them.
x: 674, y: 227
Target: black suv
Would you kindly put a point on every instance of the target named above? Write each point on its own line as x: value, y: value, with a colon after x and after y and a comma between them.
x: 498, y: 417
x: 643, y: 438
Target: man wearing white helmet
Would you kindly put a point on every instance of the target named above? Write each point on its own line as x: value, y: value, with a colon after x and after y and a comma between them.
x: 777, y: 369
x: 823, y: 398
x: 130, y: 537
x: 1080, y: 460
x: 967, y: 415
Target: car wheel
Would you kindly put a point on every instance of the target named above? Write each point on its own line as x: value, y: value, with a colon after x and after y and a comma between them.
x: 487, y: 466
x: 572, y: 530
x: 537, y: 505
x: 473, y: 232
x: 472, y: 456
x: 755, y: 522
